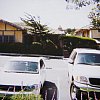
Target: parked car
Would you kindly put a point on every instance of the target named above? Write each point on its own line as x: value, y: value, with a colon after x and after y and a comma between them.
x: 84, y: 74
x: 25, y: 74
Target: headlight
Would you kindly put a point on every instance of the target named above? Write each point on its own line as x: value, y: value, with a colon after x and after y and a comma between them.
x: 29, y: 88
x: 37, y: 86
x: 32, y: 87
x: 81, y: 79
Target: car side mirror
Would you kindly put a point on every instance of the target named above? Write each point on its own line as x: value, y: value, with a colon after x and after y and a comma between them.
x: 70, y: 61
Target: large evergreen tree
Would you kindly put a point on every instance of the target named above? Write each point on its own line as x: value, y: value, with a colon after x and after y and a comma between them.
x: 34, y: 25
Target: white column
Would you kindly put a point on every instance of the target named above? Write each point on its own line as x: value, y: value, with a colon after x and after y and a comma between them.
x: 90, y: 34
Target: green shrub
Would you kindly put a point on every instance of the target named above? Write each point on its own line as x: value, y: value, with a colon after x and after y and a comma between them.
x: 50, y: 48
x: 36, y: 48
x: 71, y: 42
x: 26, y: 97
x: 12, y: 48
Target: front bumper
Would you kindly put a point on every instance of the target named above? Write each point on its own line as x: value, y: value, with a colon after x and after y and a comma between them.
x: 6, y: 93
x: 87, y: 87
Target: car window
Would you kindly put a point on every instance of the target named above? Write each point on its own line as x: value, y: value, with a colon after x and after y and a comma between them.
x: 88, y: 58
x: 21, y: 66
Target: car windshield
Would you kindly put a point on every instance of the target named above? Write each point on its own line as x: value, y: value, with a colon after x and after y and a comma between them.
x: 22, y: 66
x: 88, y: 58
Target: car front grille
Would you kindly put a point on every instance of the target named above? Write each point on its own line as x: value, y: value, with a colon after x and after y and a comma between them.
x: 95, y: 81
x: 10, y: 88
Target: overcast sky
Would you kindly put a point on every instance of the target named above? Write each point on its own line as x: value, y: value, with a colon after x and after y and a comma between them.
x: 52, y: 12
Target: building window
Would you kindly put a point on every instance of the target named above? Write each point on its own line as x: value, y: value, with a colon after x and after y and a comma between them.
x: 7, y: 38
x: 11, y: 38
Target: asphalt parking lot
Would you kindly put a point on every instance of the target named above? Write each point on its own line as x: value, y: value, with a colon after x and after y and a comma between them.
x: 57, y: 72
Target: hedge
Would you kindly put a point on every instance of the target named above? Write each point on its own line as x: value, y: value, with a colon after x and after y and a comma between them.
x: 48, y: 47
x: 12, y: 48
x: 71, y: 42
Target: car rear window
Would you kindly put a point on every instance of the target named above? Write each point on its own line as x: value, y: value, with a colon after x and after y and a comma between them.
x: 22, y: 66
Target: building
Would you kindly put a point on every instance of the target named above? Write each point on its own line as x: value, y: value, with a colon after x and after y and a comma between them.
x: 10, y: 32
x: 89, y: 32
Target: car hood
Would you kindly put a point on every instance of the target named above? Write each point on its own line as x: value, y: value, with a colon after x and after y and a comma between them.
x: 19, y: 79
x: 87, y: 70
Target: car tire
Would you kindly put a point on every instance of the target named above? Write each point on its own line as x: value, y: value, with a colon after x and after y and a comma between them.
x: 75, y: 93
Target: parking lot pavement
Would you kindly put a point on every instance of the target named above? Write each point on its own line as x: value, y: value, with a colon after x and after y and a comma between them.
x: 49, y: 91
x: 57, y: 72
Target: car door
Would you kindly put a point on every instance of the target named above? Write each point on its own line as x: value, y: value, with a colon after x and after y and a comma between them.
x: 71, y: 62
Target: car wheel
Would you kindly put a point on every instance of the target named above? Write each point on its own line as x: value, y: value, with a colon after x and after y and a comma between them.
x: 75, y: 93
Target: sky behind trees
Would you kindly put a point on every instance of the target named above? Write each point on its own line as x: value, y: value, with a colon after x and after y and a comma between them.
x: 52, y: 12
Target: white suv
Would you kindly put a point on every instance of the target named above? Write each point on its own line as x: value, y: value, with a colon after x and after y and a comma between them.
x: 22, y: 73
x: 84, y: 74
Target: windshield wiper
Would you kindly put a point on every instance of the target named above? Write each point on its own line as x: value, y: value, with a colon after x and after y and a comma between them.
x: 22, y: 72
x: 93, y: 64
x: 97, y: 64
x: 85, y: 63
x: 7, y: 71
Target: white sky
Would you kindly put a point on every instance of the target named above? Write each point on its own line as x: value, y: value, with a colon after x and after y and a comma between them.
x: 52, y: 12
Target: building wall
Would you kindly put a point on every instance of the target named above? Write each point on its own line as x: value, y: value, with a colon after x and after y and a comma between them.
x: 89, y: 33
x: 8, y: 32
x: 2, y: 26
x: 6, y: 29
x: 18, y: 36
x: 95, y: 34
x: 78, y: 34
x: 1, y: 32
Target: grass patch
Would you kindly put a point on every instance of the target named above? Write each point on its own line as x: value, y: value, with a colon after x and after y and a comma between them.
x: 26, y: 97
